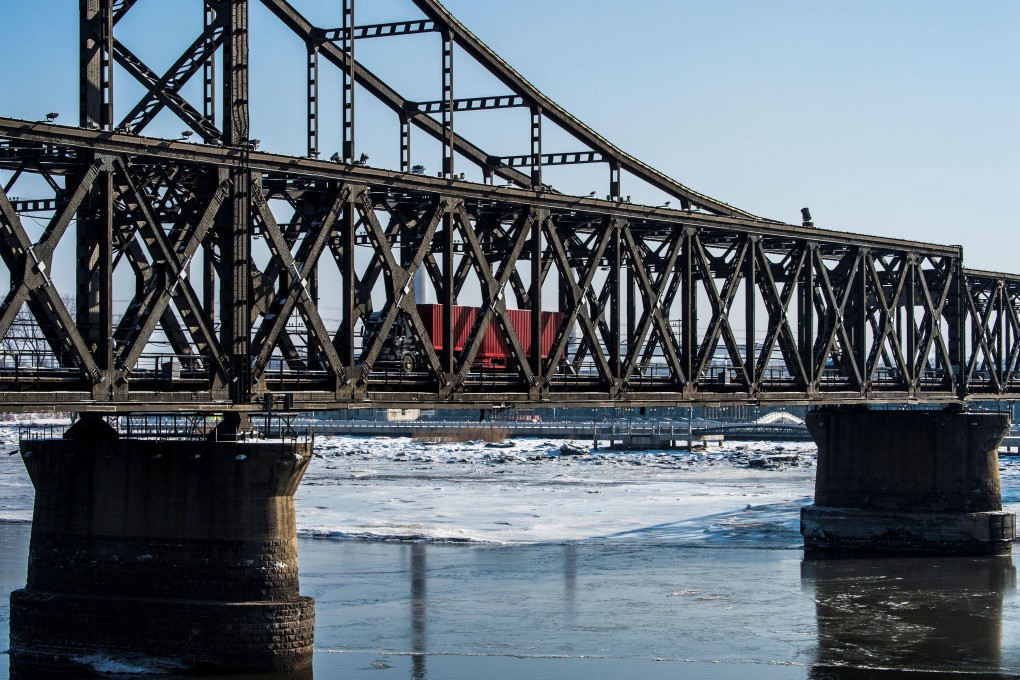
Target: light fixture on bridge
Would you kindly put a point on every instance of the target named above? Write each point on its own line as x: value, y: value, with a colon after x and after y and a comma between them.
x: 591, y: 194
x: 362, y: 160
x: 253, y: 144
x: 335, y: 157
x: 666, y: 204
x: 805, y: 214
x: 418, y: 170
x: 50, y: 117
x: 186, y: 135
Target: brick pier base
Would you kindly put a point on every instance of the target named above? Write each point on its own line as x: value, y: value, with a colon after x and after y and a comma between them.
x: 180, y: 551
x: 907, y: 481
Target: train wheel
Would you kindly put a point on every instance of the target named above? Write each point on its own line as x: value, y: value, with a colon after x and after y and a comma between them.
x: 407, y: 363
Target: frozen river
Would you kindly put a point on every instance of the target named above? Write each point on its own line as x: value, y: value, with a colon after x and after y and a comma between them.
x: 462, y: 561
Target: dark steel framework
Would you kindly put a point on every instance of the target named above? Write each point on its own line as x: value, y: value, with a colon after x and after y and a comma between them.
x: 705, y: 303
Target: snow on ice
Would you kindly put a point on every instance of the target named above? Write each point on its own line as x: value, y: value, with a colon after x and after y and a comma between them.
x: 394, y: 489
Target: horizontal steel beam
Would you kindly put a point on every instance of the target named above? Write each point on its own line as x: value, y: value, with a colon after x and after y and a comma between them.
x: 158, y: 401
x: 381, y: 30
x: 569, y: 158
x: 35, y: 205
x: 981, y: 275
x: 511, y: 101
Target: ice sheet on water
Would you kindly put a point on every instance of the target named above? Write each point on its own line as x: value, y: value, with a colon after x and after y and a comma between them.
x: 397, y: 489
x: 111, y: 664
x: 776, y: 525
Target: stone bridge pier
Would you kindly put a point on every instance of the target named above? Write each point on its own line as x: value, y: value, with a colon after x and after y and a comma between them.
x: 181, y: 553
x: 907, y: 481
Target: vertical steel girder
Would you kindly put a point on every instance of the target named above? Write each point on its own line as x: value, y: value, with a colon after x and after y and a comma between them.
x: 96, y: 64
x: 348, y: 86
x: 313, y: 100
x: 236, y: 227
x: 448, y: 106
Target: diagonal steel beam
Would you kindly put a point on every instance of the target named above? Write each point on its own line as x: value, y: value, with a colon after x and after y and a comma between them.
x: 652, y: 315
x: 37, y: 291
x: 400, y: 286
x: 493, y: 298
x: 837, y: 309
x: 778, y: 304
x: 164, y: 91
x: 883, y: 329
x: 174, y: 265
x: 575, y: 296
x: 720, y: 326
x: 296, y: 294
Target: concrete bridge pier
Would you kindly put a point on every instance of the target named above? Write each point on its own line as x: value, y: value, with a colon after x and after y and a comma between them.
x: 907, y: 481
x: 174, y: 554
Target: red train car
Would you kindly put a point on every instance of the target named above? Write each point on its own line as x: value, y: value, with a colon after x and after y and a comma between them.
x: 400, y: 346
x: 494, y: 351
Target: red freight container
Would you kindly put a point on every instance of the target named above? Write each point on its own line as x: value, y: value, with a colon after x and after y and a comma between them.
x: 494, y: 350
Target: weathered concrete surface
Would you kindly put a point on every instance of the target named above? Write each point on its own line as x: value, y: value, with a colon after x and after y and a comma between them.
x: 180, y: 550
x: 961, y: 533
x: 912, y: 481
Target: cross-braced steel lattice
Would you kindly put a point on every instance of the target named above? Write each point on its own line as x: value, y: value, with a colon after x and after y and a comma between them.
x: 210, y: 275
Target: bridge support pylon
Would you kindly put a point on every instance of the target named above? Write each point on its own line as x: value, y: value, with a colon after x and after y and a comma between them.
x: 181, y: 553
x: 907, y: 481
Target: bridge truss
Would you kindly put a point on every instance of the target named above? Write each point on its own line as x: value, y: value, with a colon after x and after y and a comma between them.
x: 232, y: 256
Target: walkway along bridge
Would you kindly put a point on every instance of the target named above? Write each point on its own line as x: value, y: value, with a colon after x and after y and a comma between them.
x: 232, y: 255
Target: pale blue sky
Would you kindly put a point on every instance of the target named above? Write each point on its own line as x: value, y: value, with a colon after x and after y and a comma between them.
x: 896, y: 118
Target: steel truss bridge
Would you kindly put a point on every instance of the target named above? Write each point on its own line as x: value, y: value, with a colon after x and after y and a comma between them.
x: 231, y: 254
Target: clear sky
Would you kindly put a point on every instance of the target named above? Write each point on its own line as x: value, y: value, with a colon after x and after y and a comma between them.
x: 895, y: 118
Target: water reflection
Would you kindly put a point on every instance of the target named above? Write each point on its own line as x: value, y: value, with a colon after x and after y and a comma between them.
x: 419, y: 603
x: 879, y: 617
x: 570, y: 580
x: 61, y: 671
x: 419, y: 611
